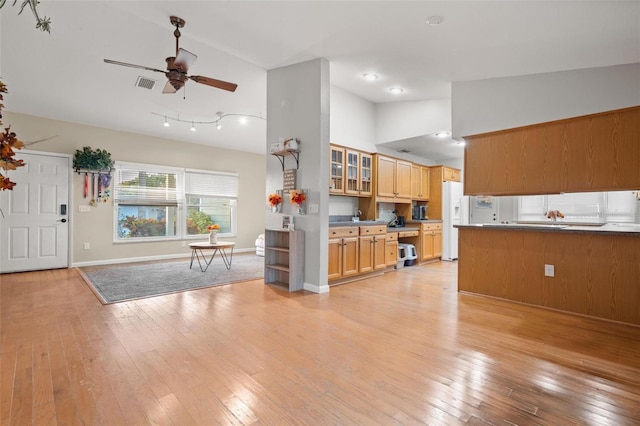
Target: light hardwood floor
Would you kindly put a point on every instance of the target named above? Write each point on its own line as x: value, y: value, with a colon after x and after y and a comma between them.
x: 404, y: 348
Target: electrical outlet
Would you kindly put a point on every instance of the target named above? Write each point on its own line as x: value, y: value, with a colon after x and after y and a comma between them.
x: 184, y: 244
x: 84, y: 209
x: 549, y: 271
x: 87, y: 246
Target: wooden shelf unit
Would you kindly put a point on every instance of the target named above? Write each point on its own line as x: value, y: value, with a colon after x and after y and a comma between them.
x: 284, y: 258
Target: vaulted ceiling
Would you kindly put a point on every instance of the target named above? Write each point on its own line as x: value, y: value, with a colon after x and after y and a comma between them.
x: 62, y: 75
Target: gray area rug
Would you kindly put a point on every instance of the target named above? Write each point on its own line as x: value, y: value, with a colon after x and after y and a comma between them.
x: 119, y: 283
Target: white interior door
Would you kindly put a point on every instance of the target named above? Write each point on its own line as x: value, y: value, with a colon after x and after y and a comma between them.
x: 34, y: 226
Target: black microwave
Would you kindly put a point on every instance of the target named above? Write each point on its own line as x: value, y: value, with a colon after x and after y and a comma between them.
x: 419, y: 213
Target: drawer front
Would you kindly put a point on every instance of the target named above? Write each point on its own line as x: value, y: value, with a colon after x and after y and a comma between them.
x: 373, y: 230
x: 431, y: 226
x: 404, y: 234
x: 347, y: 231
x: 392, y: 236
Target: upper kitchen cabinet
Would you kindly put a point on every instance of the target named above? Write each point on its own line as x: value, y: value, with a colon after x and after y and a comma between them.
x: 350, y: 172
x: 444, y: 173
x: 420, y: 182
x: 392, y: 179
x: 598, y: 152
x: 336, y: 169
x: 359, y: 172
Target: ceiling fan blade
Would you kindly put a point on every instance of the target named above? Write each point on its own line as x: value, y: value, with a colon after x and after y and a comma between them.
x: 224, y: 85
x: 184, y: 60
x: 124, y: 64
x: 168, y: 88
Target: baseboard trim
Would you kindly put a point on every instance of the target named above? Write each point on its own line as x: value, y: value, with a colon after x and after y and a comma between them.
x: 144, y: 259
x: 316, y: 288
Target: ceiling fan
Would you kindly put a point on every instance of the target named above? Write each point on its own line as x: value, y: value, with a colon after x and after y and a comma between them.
x: 178, y: 66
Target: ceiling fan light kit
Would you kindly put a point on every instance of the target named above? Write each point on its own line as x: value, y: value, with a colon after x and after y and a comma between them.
x: 178, y: 67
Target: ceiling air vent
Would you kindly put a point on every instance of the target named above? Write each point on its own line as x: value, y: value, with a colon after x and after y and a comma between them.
x: 404, y: 150
x: 145, y: 83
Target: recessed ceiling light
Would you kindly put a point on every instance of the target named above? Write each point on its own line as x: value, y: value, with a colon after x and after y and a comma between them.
x: 243, y: 120
x: 435, y: 20
x: 443, y: 134
x: 370, y: 76
x: 396, y: 90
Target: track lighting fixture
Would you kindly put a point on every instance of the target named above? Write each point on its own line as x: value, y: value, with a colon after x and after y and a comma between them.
x: 244, y: 119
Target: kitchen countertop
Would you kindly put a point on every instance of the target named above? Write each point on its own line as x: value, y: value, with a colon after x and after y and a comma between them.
x: 609, y: 228
x: 381, y: 223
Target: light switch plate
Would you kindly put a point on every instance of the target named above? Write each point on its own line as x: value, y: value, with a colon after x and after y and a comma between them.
x: 549, y: 271
x: 313, y: 208
x: 84, y: 209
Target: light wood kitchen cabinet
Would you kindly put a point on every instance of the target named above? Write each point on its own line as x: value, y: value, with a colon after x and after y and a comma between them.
x: 444, y: 173
x: 358, y: 173
x: 450, y: 174
x: 336, y: 170
x: 391, y: 252
x: 597, y: 152
x: 372, y: 246
x: 431, y: 241
x: 420, y: 182
x: 392, y: 178
x: 343, y: 252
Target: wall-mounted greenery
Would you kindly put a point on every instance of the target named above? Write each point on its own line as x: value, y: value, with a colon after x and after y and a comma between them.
x: 92, y: 160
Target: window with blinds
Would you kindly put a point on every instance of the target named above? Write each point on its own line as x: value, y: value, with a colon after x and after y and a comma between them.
x: 157, y: 202
x: 210, y: 198
x: 143, y: 185
x: 146, y: 201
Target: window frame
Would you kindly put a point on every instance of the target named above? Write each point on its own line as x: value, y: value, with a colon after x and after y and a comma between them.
x: 181, y: 202
x: 232, y: 198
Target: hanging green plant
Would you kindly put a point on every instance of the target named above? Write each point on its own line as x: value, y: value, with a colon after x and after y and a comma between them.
x: 94, y: 160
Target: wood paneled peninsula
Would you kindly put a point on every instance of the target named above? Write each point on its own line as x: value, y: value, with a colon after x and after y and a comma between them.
x: 596, y: 269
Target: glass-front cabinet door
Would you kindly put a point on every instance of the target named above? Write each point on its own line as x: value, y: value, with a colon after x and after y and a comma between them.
x: 358, y: 173
x: 337, y: 171
x: 365, y: 174
x: 353, y: 160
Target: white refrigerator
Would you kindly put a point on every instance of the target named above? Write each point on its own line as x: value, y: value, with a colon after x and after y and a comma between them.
x: 453, y: 213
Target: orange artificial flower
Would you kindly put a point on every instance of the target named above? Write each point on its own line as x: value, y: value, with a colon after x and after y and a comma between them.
x: 274, y: 199
x: 297, y: 197
x: 213, y: 227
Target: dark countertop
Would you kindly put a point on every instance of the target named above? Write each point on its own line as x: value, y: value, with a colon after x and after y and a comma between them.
x: 376, y: 223
x: 424, y: 221
x: 608, y: 228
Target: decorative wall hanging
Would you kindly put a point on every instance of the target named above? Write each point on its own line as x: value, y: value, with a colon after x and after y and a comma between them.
x: 8, y: 143
x: 98, y: 164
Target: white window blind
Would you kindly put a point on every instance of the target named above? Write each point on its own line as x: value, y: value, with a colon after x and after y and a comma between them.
x: 141, y: 184
x: 208, y: 184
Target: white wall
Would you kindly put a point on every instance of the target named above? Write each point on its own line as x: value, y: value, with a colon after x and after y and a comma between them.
x: 353, y: 120
x: 96, y: 227
x: 502, y: 103
x: 402, y: 120
x: 298, y: 106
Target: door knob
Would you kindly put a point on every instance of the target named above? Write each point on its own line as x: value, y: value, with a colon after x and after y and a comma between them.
x: 62, y: 220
